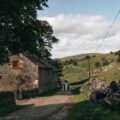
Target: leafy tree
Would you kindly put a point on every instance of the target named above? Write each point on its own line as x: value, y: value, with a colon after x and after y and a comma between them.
x: 20, y: 31
x: 57, y: 63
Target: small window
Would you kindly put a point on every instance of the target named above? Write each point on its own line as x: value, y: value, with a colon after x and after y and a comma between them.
x: 0, y: 77
x: 16, y: 64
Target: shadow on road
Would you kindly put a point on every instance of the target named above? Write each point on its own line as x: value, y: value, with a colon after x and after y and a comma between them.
x: 85, y: 110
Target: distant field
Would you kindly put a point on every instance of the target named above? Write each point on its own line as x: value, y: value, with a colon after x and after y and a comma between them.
x: 75, y: 68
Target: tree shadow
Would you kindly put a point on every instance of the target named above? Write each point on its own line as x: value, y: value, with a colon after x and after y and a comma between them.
x: 79, y: 82
x: 49, y: 93
x: 6, y: 110
x: 84, y: 110
x: 89, y: 110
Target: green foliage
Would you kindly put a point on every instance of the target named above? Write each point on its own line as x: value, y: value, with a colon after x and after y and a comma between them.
x: 104, y: 62
x: 118, y: 53
x: 67, y: 62
x: 20, y: 31
x: 57, y: 64
x: 118, y: 60
x: 97, y: 65
x: 87, y: 110
x: 80, y: 72
x: 83, y: 109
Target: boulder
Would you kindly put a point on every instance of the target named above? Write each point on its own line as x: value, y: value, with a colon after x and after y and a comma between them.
x: 97, y: 95
x: 110, y: 95
x: 99, y: 85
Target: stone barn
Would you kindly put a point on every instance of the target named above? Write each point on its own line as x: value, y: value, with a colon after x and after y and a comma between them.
x: 27, y: 72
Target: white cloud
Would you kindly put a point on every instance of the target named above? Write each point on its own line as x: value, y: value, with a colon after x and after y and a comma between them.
x: 82, y: 34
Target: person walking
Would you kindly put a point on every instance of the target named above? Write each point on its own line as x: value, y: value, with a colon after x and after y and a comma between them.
x: 66, y: 86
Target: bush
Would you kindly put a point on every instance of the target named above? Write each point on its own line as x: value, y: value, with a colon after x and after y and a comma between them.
x: 114, y: 86
x: 25, y: 94
x: 7, y: 98
x: 118, y: 60
x: 117, y: 53
x: 97, y: 65
x: 105, y: 62
x: 111, y: 52
x: 75, y: 90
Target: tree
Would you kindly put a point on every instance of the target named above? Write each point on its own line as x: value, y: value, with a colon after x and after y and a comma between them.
x: 20, y: 31
x: 44, y: 39
x: 57, y: 63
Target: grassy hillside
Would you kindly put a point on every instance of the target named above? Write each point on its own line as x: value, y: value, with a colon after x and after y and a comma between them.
x: 75, y: 70
x: 104, y: 66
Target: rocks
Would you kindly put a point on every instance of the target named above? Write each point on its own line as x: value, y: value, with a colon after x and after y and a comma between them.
x: 113, y: 94
x: 97, y: 84
x: 110, y: 95
x: 97, y: 95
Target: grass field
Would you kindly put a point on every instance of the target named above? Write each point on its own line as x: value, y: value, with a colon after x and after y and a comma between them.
x: 80, y: 71
x: 75, y: 70
x: 87, y: 110
x: 83, y: 109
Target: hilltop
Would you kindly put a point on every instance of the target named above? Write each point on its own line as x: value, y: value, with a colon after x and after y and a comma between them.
x: 102, y: 66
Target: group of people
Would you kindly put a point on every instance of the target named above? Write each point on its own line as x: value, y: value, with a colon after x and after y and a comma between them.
x: 65, y: 85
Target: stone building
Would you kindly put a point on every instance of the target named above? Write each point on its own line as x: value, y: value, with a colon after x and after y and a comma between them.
x: 27, y: 72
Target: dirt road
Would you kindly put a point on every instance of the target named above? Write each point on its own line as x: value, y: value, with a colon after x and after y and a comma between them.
x: 43, y: 108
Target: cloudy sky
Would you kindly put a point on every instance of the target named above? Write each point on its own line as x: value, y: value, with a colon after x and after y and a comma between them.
x: 82, y: 25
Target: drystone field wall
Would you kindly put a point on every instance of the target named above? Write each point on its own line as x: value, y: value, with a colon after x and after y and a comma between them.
x: 7, y: 98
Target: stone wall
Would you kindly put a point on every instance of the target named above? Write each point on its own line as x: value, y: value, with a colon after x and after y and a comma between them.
x: 10, y: 77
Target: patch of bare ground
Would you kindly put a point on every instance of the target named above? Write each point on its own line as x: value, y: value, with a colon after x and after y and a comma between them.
x: 43, y: 108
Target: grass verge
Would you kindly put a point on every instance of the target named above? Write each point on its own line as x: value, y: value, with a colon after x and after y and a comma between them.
x: 83, y: 109
x: 5, y: 110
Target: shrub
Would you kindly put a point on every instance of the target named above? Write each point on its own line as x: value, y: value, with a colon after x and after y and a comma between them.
x: 75, y: 90
x: 97, y: 65
x: 118, y: 60
x: 114, y: 86
x: 105, y: 62
x: 7, y: 98
x: 111, y: 52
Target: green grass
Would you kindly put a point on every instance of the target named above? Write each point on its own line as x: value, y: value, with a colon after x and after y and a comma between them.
x: 5, y: 110
x: 83, y: 109
x: 87, y: 110
x: 74, y: 73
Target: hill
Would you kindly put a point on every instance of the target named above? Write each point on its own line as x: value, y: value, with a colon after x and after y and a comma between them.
x: 102, y: 66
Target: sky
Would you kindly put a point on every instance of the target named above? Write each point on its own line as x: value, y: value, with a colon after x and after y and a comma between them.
x: 81, y: 26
